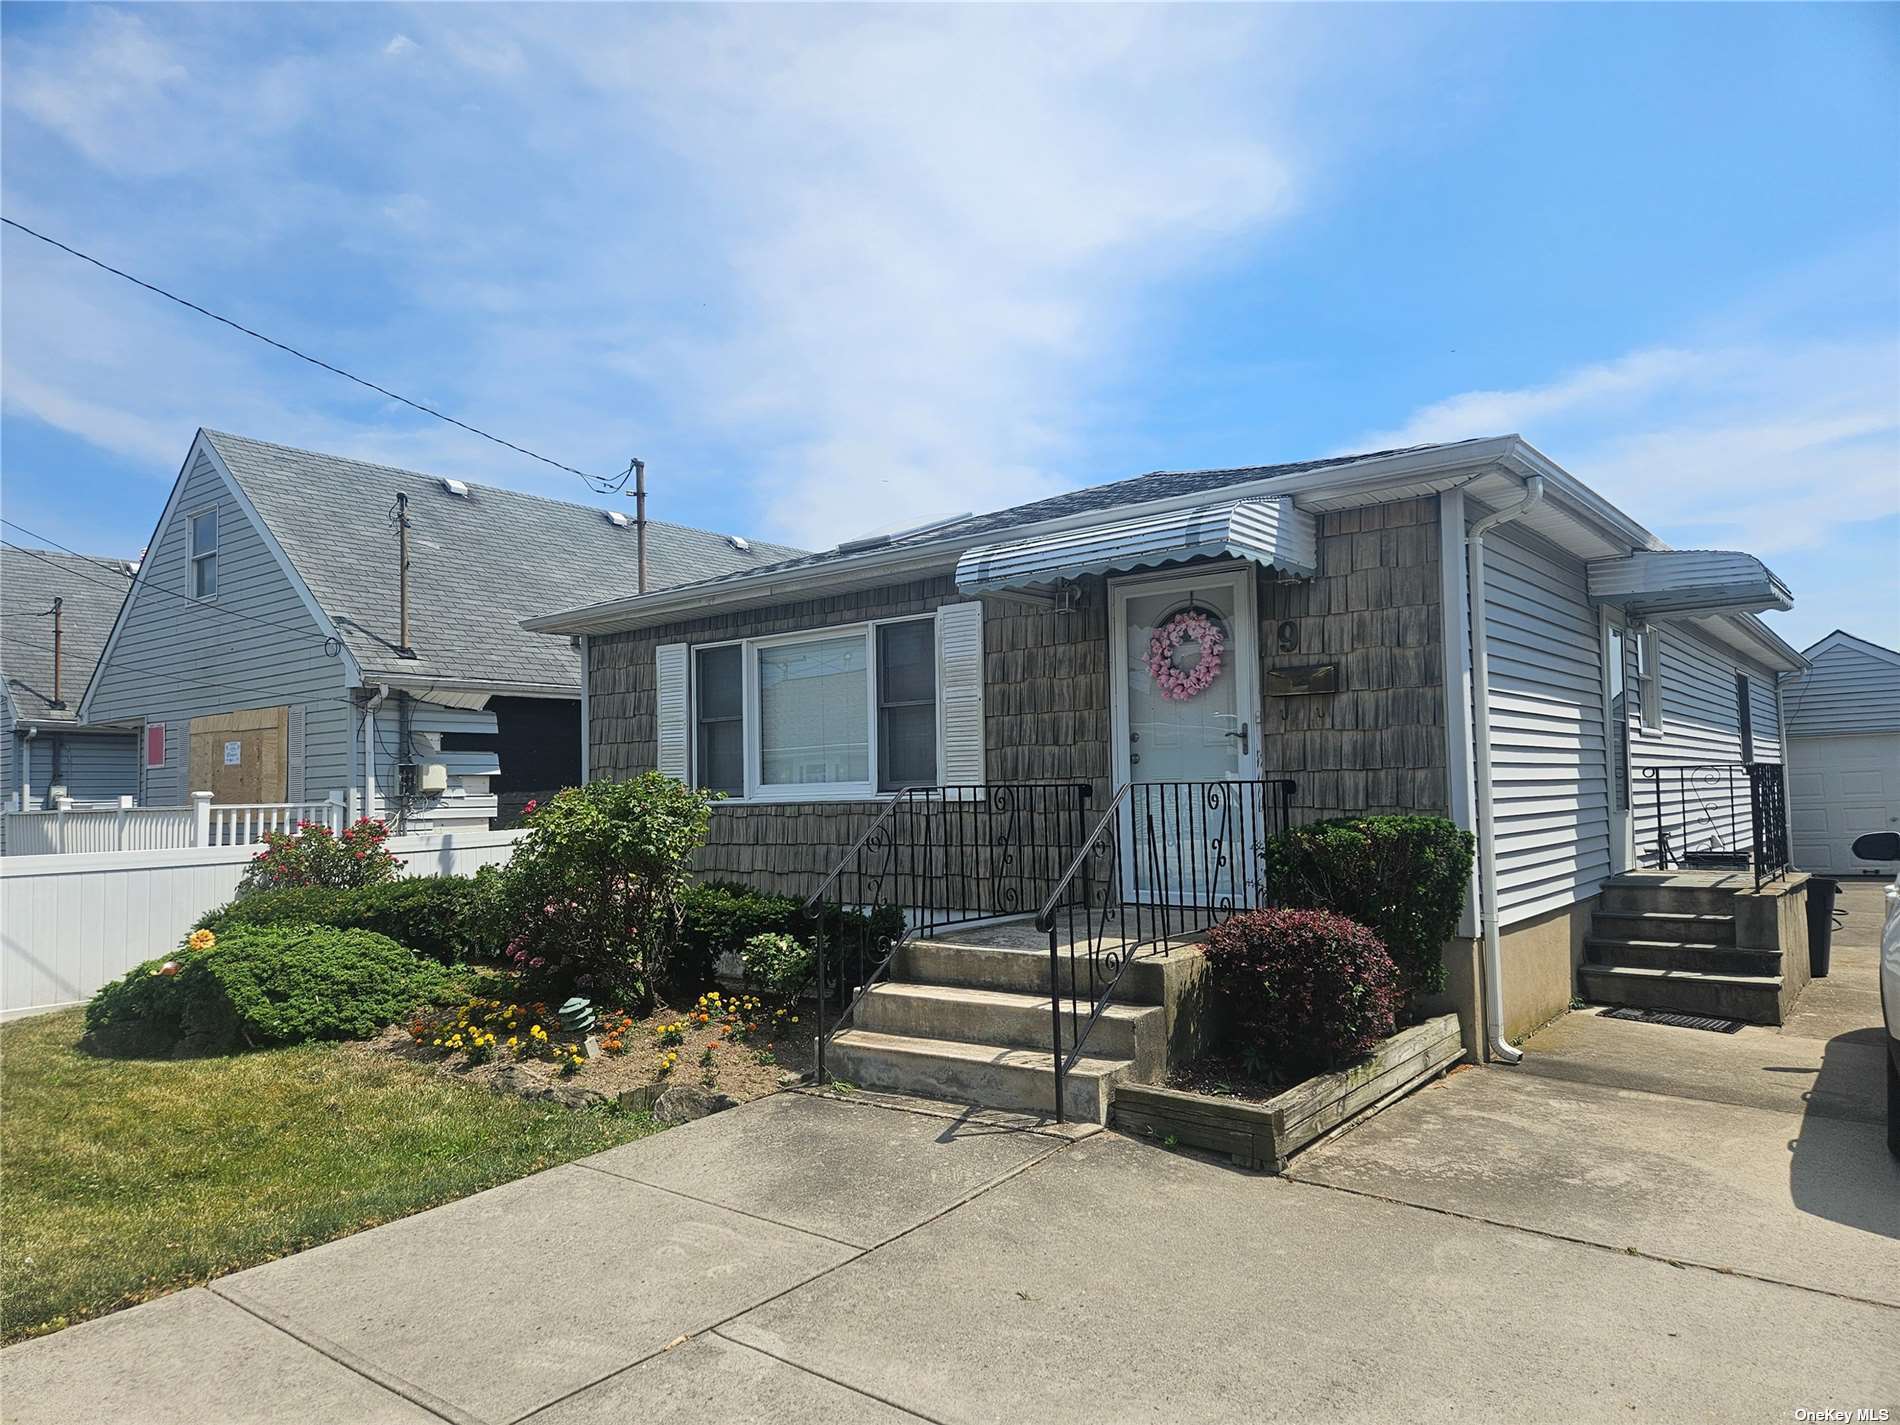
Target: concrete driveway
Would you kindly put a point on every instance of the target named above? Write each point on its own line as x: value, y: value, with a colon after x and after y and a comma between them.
x: 1674, y: 1225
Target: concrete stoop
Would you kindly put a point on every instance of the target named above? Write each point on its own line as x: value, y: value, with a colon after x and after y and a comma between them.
x: 968, y: 1018
x: 1698, y: 942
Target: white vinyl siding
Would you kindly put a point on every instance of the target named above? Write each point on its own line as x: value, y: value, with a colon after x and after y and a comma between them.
x: 255, y: 646
x: 1548, y: 763
x: 1761, y: 700
x: 1701, y: 726
x: 1849, y: 690
x: 1549, y: 749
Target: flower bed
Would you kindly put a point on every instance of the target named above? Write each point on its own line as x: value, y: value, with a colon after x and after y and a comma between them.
x: 734, y: 1044
x: 1263, y: 1132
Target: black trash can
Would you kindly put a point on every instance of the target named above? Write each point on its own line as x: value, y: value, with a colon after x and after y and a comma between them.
x: 1821, y: 893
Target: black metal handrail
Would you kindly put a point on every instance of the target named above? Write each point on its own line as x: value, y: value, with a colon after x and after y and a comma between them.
x: 1166, y: 861
x: 1742, y: 805
x: 934, y: 856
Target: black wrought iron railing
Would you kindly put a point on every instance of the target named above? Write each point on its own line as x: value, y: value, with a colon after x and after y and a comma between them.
x: 1718, y: 815
x: 1165, y: 862
x: 933, y: 857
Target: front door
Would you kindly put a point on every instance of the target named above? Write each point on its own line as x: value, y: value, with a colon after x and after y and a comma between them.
x: 1185, y: 674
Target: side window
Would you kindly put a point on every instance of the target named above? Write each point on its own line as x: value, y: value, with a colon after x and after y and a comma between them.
x: 204, y: 555
x: 906, y: 704
x: 1645, y: 687
x: 719, y: 719
x: 154, y: 744
x: 1745, y: 717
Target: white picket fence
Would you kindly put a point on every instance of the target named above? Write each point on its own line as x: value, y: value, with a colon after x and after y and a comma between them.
x: 72, y: 922
x: 125, y: 826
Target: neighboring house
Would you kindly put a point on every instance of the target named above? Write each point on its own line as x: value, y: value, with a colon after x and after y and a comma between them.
x: 1014, y: 647
x: 1843, y: 729
x: 45, y: 743
x: 260, y: 650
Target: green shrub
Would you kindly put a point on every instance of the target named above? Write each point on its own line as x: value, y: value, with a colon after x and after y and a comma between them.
x: 777, y: 963
x: 264, y: 985
x: 722, y: 917
x: 1403, y: 877
x: 450, y: 918
x: 592, y: 891
x: 1303, y: 990
x: 313, y: 855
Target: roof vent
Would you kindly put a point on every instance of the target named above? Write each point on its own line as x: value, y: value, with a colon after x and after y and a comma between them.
x: 739, y: 542
x: 618, y: 520
x: 457, y: 488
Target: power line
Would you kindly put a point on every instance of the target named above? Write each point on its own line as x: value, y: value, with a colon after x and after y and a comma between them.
x: 599, y: 484
x: 150, y: 587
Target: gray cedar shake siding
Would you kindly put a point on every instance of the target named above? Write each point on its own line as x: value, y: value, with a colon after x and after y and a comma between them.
x: 1376, y: 745
x: 1050, y: 725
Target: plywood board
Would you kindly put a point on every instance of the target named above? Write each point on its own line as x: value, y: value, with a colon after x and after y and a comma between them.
x: 241, y: 756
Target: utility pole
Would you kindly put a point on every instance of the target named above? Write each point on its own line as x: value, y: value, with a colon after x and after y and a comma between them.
x: 640, y: 516
x: 58, y: 701
x: 403, y: 650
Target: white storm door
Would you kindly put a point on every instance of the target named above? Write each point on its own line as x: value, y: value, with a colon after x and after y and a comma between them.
x: 1186, y: 835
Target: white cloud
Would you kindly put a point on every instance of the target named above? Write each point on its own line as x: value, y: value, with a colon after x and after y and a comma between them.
x: 1769, y: 446
x: 867, y: 264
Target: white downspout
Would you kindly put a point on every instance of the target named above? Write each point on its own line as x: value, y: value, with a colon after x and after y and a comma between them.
x: 587, y: 734
x: 1481, y: 749
x: 26, y: 767
x: 369, y: 749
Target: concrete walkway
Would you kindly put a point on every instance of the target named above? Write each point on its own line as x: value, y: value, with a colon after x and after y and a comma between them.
x: 1713, y: 1234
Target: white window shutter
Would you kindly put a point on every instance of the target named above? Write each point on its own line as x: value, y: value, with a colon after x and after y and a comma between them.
x: 960, y: 693
x: 674, y: 710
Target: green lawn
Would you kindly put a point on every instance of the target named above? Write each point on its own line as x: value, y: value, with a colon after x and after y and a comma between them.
x: 126, y: 1179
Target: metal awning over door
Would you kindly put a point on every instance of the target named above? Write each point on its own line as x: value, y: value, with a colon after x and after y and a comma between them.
x: 1686, y: 582
x: 1271, y: 532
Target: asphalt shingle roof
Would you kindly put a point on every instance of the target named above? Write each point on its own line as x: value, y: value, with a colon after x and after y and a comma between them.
x: 478, y: 564
x: 1138, y: 489
x: 91, y: 591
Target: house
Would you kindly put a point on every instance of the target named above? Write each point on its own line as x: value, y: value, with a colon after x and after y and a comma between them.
x: 46, y: 744
x: 1843, y: 752
x: 272, y: 649
x: 1599, y: 716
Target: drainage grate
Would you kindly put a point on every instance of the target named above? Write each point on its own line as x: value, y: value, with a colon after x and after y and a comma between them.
x: 1680, y: 1021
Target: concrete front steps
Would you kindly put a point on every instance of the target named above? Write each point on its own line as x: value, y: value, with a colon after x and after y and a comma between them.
x: 967, y: 1018
x: 1694, y: 942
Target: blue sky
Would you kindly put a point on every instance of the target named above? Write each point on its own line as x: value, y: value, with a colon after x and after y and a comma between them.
x: 825, y: 269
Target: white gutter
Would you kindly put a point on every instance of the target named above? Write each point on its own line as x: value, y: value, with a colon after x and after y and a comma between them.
x: 369, y: 748
x: 26, y: 766
x: 1481, y: 748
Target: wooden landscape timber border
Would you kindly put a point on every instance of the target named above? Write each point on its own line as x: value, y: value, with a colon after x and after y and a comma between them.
x: 1266, y: 1135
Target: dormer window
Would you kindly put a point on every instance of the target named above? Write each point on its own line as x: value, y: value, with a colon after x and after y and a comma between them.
x: 204, y: 555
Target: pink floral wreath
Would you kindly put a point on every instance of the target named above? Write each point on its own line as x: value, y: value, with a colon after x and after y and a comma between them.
x: 1179, y: 684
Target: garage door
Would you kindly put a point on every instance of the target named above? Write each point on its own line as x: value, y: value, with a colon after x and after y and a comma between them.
x: 1840, y: 788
